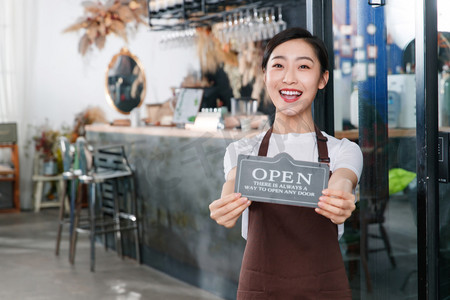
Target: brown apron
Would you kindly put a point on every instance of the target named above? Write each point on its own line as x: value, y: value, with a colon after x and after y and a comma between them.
x: 292, y: 252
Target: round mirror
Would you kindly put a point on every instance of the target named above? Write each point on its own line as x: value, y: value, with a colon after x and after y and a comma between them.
x: 125, y: 82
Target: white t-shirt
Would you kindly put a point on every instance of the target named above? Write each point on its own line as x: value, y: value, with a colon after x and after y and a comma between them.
x: 301, y: 146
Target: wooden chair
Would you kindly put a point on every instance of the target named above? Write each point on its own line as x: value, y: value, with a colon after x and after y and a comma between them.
x: 8, y: 140
x: 374, y: 215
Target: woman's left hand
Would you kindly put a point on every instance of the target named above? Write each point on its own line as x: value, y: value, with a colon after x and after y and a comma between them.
x: 336, y: 205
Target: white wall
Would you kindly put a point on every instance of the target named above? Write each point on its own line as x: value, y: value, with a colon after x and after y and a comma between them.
x: 65, y: 83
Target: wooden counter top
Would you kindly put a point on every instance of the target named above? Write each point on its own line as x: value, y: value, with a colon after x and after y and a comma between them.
x: 172, y: 131
x: 230, y: 134
x: 392, y: 133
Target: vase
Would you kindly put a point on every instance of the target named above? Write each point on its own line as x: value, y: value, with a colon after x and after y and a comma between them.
x: 49, y: 167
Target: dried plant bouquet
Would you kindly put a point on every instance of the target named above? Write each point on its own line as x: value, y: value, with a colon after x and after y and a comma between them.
x: 102, y: 19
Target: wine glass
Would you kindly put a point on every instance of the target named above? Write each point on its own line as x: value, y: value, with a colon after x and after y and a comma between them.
x: 281, y: 23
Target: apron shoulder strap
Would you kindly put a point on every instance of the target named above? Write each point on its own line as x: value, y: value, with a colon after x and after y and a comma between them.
x: 265, y: 143
x: 322, y: 146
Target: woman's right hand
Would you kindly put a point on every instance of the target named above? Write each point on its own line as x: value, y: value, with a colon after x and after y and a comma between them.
x: 227, y: 210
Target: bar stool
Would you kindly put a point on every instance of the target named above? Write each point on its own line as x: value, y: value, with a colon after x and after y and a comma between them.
x: 69, y: 184
x: 113, y: 181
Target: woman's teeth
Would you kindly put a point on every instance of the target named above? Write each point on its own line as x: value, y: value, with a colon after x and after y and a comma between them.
x: 290, y: 93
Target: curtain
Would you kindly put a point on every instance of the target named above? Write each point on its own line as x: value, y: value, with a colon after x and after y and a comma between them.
x: 17, y: 40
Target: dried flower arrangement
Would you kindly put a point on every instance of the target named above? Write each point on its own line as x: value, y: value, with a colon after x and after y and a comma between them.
x: 103, y: 19
x: 242, y: 64
x: 46, y: 140
x: 90, y: 115
x: 212, y: 53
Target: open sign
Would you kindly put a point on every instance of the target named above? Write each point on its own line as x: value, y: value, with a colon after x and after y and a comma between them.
x: 281, y: 179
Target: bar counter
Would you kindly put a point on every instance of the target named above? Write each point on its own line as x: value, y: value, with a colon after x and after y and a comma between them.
x: 178, y: 173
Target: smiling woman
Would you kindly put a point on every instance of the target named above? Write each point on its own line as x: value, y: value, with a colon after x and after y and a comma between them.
x: 293, y: 252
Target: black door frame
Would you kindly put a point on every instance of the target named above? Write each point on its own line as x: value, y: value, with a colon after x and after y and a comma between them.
x: 427, y: 138
x: 319, y: 21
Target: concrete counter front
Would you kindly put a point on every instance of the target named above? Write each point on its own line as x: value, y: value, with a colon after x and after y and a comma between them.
x: 178, y: 173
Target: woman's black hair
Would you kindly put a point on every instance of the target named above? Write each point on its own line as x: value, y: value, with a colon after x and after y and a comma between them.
x: 297, y: 33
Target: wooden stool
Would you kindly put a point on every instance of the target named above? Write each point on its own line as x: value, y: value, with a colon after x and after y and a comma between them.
x: 40, y: 179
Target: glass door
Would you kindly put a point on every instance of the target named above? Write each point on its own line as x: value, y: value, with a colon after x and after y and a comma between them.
x: 375, y: 105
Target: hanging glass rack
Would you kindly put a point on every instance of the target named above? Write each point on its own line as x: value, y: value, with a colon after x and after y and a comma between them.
x: 185, y: 14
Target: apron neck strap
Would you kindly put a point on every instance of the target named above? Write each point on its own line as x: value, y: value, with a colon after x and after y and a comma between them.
x: 321, y: 145
x: 264, y: 147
